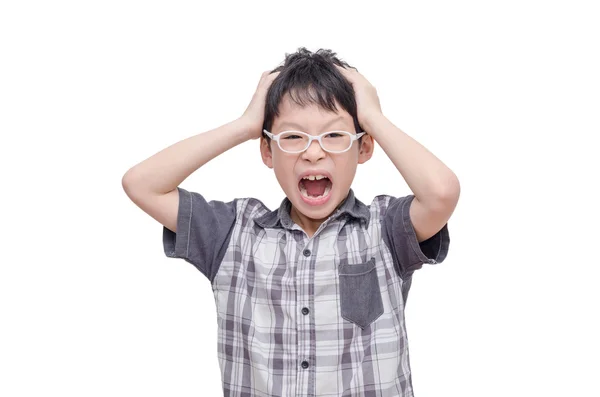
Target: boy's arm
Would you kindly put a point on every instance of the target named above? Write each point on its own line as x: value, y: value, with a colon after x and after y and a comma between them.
x: 152, y: 184
x: 435, y: 186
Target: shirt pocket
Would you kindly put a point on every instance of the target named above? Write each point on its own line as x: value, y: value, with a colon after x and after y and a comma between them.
x: 360, y: 295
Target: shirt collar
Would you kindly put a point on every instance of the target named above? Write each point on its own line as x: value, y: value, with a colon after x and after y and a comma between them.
x: 281, y: 216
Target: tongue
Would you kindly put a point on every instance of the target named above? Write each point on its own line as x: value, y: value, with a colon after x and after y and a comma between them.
x: 315, y: 188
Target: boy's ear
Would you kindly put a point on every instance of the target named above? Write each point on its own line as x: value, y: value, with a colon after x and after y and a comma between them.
x: 265, y: 152
x: 366, y: 149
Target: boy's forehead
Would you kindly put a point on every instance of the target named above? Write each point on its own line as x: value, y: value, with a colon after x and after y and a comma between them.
x: 292, y: 114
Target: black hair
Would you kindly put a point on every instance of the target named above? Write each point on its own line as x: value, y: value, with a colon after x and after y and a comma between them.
x: 311, y: 78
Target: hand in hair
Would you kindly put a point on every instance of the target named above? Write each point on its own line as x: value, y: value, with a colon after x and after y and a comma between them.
x: 367, y: 100
x: 255, y: 112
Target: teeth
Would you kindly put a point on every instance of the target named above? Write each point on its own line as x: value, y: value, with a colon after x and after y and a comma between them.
x: 313, y: 177
x: 303, y: 191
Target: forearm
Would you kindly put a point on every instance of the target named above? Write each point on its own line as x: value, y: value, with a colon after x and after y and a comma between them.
x: 165, y: 170
x: 428, y: 178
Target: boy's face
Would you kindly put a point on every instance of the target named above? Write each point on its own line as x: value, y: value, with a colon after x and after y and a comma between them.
x: 315, y: 199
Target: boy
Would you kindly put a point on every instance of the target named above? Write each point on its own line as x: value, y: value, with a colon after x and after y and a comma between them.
x: 310, y: 297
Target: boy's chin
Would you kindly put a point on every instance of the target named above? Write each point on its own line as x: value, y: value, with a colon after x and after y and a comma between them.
x: 315, y: 209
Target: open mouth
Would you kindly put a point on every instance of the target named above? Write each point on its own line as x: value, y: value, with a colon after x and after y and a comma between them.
x: 315, y: 187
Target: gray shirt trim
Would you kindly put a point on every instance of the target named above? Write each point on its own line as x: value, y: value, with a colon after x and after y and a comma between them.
x: 203, y: 232
x: 401, y: 238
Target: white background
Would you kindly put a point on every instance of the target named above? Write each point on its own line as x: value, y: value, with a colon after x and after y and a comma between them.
x: 504, y: 93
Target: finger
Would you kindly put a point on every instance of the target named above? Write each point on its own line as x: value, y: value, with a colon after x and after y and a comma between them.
x: 346, y: 73
x: 269, y: 80
x: 348, y: 69
x: 262, y: 78
x: 265, y: 75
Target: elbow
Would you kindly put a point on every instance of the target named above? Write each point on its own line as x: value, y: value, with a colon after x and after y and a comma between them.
x: 129, y: 181
x: 450, y: 192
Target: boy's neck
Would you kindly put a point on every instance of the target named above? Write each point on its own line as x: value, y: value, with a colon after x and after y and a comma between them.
x: 309, y: 225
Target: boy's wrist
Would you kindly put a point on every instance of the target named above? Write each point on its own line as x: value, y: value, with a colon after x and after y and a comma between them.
x: 248, y: 129
x: 372, y: 121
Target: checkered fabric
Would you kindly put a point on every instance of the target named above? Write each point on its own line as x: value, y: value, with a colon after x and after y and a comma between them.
x: 300, y: 316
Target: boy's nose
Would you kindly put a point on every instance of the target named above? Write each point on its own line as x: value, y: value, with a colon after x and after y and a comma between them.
x: 314, y: 152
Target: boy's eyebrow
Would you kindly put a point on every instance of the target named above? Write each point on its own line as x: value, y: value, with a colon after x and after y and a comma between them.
x: 294, y: 125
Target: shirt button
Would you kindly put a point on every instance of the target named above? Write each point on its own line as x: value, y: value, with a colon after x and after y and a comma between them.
x: 306, y: 252
x: 305, y: 310
x: 304, y: 364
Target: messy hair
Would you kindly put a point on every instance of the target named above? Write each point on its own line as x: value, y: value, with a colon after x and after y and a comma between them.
x: 311, y: 78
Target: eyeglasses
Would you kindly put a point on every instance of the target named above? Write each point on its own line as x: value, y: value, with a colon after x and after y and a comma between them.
x: 330, y: 141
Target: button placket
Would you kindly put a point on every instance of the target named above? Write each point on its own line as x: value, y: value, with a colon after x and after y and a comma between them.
x: 304, y: 323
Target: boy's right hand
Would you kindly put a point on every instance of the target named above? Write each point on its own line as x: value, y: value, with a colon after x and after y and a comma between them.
x: 255, y: 112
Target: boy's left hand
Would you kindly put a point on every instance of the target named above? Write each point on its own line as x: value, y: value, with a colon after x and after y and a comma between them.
x: 367, y: 100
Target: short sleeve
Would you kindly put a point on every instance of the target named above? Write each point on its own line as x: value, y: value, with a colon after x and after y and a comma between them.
x: 400, y: 236
x: 203, y: 232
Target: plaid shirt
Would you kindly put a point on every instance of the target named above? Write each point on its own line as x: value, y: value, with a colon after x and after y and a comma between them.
x: 300, y: 316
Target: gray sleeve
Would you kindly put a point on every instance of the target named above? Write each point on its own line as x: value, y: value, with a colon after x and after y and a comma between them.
x: 401, y: 238
x: 203, y: 232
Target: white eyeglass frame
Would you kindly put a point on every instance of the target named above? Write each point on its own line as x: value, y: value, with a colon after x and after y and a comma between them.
x: 353, y: 137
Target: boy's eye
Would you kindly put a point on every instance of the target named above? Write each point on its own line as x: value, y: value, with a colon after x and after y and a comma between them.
x: 291, y: 136
x: 334, y: 135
